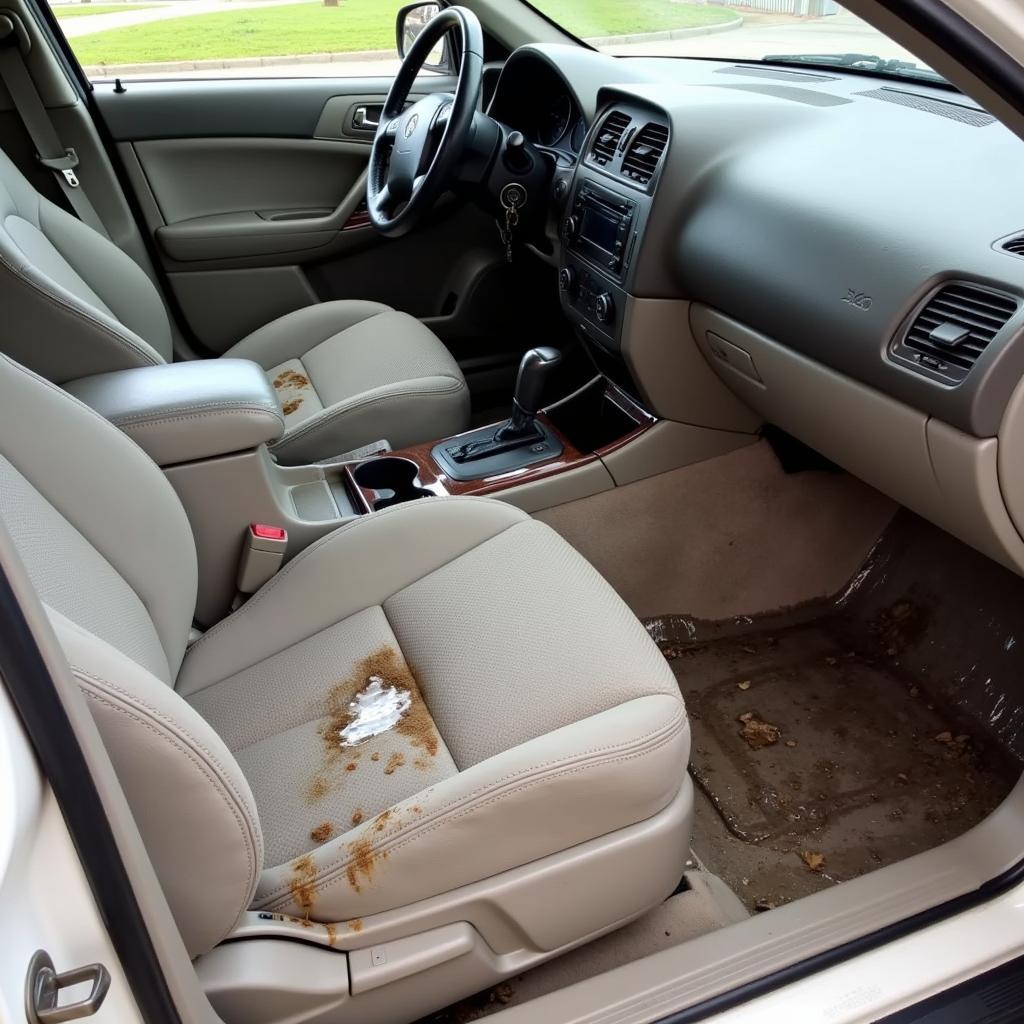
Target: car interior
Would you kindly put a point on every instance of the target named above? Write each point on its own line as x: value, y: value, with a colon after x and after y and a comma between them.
x: 543, y: 526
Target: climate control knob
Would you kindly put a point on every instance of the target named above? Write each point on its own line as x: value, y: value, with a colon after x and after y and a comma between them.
x: 572, y: 226
x: 567, y: 280
x: 604, y: 308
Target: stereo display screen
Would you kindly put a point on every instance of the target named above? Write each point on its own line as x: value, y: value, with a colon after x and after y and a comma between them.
x: 599, y: 229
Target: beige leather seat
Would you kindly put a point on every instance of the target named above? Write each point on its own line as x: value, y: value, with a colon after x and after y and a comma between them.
x: 347, y: 373
x: 533, y: 792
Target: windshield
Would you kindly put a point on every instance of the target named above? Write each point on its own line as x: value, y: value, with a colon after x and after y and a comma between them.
x: 784, y: 31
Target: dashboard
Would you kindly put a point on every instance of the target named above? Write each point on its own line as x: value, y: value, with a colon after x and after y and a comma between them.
x: 834, y: 244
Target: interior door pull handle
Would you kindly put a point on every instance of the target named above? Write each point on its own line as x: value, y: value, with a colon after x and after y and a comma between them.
x: 361, y: 119
x: 43, y: 986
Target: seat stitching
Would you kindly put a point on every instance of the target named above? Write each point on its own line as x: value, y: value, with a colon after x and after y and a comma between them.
x: 139, y: 422
x: 329, y: 874
x: 251, y: 853
x: 331, y: 413
x: 326, y: 540
x: 153, y: 357
x: 174, y: 727
x: 198, y: 407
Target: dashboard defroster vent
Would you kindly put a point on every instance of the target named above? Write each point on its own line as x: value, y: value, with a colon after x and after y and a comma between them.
x: 608, y: 137
x: 952, y: 329
x: 645, y: 152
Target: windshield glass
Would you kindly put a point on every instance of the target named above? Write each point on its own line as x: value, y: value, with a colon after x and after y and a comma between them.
x: 797, y: 31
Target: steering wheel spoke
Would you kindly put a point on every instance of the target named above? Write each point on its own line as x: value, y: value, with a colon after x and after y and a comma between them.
x: 383, y: 203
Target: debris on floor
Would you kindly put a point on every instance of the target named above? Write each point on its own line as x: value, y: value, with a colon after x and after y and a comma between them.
x: 814, y: 861
x: 838, y: 764
x: 757, y: 732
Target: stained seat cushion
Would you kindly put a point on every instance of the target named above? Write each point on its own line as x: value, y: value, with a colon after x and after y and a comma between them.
x: 348, y: 373
x: 541, y: 715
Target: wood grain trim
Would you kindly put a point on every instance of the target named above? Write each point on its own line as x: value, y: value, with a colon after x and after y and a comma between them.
x: 432, y: 478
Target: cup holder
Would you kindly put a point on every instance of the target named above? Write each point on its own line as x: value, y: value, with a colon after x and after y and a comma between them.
x: 392, y: 481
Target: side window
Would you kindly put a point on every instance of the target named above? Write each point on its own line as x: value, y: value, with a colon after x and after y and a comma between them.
x: 231, y: 38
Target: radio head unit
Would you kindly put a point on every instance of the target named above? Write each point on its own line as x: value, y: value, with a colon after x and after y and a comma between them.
x: 598, y: 227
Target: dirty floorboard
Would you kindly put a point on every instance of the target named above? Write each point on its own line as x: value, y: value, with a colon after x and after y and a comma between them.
x: 817, y: 759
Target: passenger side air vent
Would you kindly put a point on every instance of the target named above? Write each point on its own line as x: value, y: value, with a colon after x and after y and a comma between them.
x: 608, y: 137
x: 952, y: 329
x: 645, y: 152
x: 1014, y: 246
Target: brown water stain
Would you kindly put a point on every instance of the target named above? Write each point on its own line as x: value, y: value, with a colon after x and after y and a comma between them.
x: 322, y: 832
x: 381, y: 821
x: 302, y: 884
x: 363, y: 863
x: 357, y: 816
x: 291, y: 406
x: 356, y: 924
x: 395, y: 761
x: 332, y: 934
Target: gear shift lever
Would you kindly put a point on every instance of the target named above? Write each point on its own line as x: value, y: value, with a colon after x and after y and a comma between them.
x: 534, y: 369
x: 520, y: 429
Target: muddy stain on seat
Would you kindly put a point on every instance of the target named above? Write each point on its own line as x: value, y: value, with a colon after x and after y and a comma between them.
x: 380, y: 696
x: 322, y: 832
x: 357, y: 816
x: 356, y: 924
x: 332, y: 934
x: 291, y: 406
x: 302, y: 884
x: 290, y: 379
x: 363, y: 863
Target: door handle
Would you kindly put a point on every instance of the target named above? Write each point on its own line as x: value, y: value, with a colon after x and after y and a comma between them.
x: 361, y: 119
x: 43, y: 986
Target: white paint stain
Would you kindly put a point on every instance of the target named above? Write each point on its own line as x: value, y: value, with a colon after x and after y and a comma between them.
x: 375, y: 709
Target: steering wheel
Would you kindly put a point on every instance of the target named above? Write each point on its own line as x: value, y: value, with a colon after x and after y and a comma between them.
x: 415, y: 151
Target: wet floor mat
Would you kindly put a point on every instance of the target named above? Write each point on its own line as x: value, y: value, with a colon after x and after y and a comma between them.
x: 824, y: 761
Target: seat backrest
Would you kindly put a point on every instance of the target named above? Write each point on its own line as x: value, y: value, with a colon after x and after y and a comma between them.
x: 73, y: 303
x: 108, y: 548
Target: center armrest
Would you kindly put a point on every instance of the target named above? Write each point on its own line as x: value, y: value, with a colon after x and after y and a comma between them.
x: 181, y: 412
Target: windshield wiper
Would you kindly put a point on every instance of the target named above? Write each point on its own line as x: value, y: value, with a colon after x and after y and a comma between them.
x: 861, y: 62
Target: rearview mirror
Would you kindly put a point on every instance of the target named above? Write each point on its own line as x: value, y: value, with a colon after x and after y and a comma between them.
x: 412, y: 20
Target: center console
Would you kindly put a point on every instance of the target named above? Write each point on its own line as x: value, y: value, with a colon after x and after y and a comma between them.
x: 605, y: 216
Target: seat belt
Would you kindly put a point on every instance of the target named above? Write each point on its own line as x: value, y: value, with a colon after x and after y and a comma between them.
x: 49, y: 151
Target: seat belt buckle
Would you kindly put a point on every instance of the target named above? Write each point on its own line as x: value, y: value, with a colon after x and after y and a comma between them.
x: 263, y: 552
x: 65, y: 164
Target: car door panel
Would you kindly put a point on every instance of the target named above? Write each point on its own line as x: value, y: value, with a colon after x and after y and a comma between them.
x: 251, y: 188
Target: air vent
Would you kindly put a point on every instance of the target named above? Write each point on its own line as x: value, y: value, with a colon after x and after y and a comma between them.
x: 954, y: 111
x: 953, y: 328
x: 642, y: 157
x: 1014, y: 246
x: 608, y: 137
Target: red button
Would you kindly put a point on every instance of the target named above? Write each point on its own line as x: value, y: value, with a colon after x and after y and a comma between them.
x: 265, y: 532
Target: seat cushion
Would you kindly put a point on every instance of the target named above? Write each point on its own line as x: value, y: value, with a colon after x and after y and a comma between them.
x: 540, y: 714
x: 349, y: 373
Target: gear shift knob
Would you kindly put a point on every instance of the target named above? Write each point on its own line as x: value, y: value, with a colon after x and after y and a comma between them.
x: 534, y: 369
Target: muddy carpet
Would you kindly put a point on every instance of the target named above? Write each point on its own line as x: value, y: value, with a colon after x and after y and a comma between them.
x: 830, y: 742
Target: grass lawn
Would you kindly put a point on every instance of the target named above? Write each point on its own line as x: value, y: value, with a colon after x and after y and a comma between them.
x: 63, y: 11
x: 590, y: 19
x: 353, y: 25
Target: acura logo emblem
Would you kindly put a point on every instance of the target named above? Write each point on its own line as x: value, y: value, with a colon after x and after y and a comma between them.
x: 410, y: 125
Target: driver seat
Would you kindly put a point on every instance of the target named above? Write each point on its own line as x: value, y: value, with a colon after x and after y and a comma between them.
x: 347, y: 373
